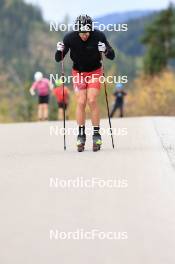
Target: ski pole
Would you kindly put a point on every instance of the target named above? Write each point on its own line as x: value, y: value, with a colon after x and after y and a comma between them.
x: 107, y: 104
x: 64, y: 110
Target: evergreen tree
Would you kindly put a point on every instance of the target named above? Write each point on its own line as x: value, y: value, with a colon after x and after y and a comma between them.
x: 160, y: 41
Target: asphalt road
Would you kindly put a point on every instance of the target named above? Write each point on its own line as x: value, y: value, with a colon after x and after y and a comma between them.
x: 49, y: 197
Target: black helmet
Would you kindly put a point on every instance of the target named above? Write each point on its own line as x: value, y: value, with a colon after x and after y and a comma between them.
x: 83, y: 23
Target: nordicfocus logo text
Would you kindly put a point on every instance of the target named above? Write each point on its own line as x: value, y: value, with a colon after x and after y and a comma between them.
x: 110, y: 79
x: 55, y: 130
x: 81, y: 234
x: 56, y: 26
x: 84, y: 183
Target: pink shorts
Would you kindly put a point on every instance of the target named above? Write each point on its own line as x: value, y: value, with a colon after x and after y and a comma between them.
x: 86, y: 80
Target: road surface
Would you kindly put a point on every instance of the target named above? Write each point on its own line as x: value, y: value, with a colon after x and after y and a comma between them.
x: 42, y: 205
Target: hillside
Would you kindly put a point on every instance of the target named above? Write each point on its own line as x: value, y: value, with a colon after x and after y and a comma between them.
x: 27, y: 46
x: 33, y: 46
x: 122, y: 17
x: 130, y: 42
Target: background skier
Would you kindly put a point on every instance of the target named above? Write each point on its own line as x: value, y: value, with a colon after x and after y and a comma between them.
x: 42, y: 86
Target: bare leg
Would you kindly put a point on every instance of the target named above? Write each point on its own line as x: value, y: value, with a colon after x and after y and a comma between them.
x: 45, y: 111
x: 40, y: 112
x: 60, y: 114
x: 81, y: 97
x: 92, y: 96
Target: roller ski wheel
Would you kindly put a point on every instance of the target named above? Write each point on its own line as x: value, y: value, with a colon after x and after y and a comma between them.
x: 81, y: 140
x: 97, y: 142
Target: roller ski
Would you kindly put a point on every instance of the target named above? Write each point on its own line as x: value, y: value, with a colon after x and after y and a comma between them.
x: 97, y: 142
x: 81, y: 140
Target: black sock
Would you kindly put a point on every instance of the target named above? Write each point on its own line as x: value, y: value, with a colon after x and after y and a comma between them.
x: 81, y: 130
x: 96, y: 130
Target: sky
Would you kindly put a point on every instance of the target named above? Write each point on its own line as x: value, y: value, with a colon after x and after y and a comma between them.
x: 57, y: 9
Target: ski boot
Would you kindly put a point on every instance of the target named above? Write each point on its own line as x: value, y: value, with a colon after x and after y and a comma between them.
x: 81, y: 139
x: 97, y: 142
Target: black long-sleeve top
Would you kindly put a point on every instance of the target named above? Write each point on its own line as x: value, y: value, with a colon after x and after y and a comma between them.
x: 85, y: 54
x: 119, y: 96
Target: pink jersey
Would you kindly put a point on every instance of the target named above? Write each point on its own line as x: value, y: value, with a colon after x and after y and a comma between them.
x: 42, y: 87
